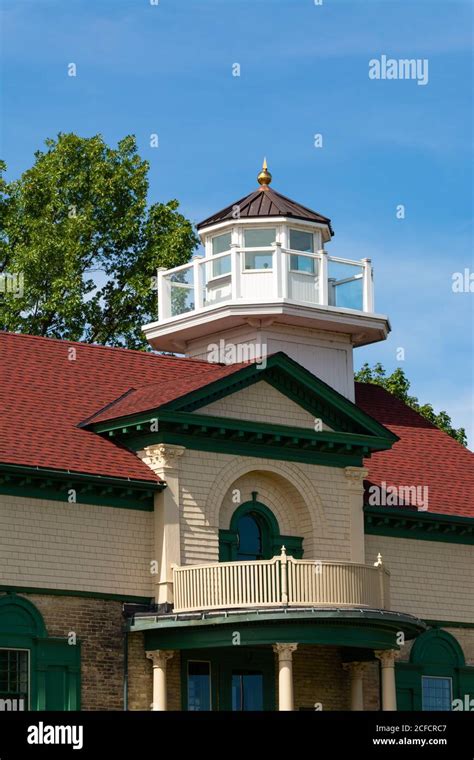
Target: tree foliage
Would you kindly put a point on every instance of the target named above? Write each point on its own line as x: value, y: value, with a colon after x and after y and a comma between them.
x: 398, y: 385
x: 77, y: 226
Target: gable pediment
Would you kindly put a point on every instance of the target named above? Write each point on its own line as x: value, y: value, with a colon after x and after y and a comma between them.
x: 280, y: 411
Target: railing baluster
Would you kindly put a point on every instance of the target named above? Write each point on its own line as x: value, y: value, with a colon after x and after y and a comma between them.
x: 280, y: 581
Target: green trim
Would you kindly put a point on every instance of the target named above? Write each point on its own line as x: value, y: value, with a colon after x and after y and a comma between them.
x: 425, y: 526
x: 54, y: 664
x: 437, y: 647
x: 448, y: 624
x: 250, y: 438
x: 434, y: 653
x: 272, y: 540
x: 67, y: 592
x: 357, y: 434
x: 42, y: 483
x: 275, y: 451
x: 296, y: 383
x: 366, y: 629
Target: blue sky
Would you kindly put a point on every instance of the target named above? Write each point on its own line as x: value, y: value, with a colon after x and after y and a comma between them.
x: 167, y: 69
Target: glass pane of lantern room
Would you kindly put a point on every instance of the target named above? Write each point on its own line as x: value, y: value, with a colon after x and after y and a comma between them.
x: 259, y: 238
x: 221, y: 243
x: 301, y: 241
x: 258, y: 260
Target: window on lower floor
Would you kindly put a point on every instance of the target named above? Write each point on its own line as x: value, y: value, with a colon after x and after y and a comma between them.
x: 199, y: 685
x: 247, y: 690
x: 437, y: 693
x: 14, y: 677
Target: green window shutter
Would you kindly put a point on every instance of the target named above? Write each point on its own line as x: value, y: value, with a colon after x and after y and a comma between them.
x: 58, y: 675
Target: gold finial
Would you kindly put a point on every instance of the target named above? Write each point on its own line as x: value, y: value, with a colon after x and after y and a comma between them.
x: 264, y: 177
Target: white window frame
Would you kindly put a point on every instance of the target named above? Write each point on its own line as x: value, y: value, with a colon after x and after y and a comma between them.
x: 210, y: 253
x: 257, y: 249
x: 307, y: 254
x: 28, y: 652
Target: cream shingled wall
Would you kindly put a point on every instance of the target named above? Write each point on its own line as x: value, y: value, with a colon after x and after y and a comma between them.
x: 80, y: 547
x: 307, y: 500
x: 430, y: 579
x: 261, y: 402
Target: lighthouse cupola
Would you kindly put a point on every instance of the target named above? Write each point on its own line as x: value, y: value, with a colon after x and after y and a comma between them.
x: 266, y: 283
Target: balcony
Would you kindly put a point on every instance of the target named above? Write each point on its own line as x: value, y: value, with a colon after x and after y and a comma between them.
x: 280, y: 582
x: 272, y: 274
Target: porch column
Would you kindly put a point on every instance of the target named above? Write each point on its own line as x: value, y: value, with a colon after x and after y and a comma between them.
x: 356, y: 671
x: 389, y: 692
x: 159, y: 657
x: 285, y: 674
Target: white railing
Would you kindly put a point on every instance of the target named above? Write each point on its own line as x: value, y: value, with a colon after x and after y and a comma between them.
x: 280, y: 582
x: 309, y: 278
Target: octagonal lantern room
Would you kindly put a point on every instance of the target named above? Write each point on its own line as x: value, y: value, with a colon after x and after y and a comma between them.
x: 266, y: 279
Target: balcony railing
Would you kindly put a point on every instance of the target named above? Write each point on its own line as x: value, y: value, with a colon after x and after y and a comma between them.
x: 280, y: 582
x: 313, y: 279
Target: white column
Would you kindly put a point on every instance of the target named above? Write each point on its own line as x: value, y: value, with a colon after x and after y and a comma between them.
x: 323, y: 277
x: 235, y: 271
x: 356, y: 671
x: 389, y: 691
x: 197, y: 278
x: 163, y: 459
x: 164, y: 304
x: 285, y: 674
x: 278, y: 271
x: 159, y: 657
x: 368, y: 287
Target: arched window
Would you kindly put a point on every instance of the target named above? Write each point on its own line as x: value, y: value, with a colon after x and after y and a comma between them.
x: 36, y: 672
x: 249, y: 537
x: 436, y: 677
x: 254, y: 534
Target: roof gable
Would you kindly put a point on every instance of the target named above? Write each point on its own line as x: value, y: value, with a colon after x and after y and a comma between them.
x: 188, y: 419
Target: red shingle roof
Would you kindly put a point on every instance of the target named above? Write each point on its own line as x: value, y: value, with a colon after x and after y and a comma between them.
x: 156, y: 394
x: 44, y: 396
x: 424, y: 455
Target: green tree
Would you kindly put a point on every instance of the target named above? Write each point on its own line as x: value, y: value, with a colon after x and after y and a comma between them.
x: 398, y: 385
x: 77, y: 226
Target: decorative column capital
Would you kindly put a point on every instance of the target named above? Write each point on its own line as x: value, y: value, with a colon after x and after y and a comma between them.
x: 355, y: 476
x: 159, y: 657
x: 386, y: 657
x: 355, y: 668
x: 163, y: 456
x: 285, y: 651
